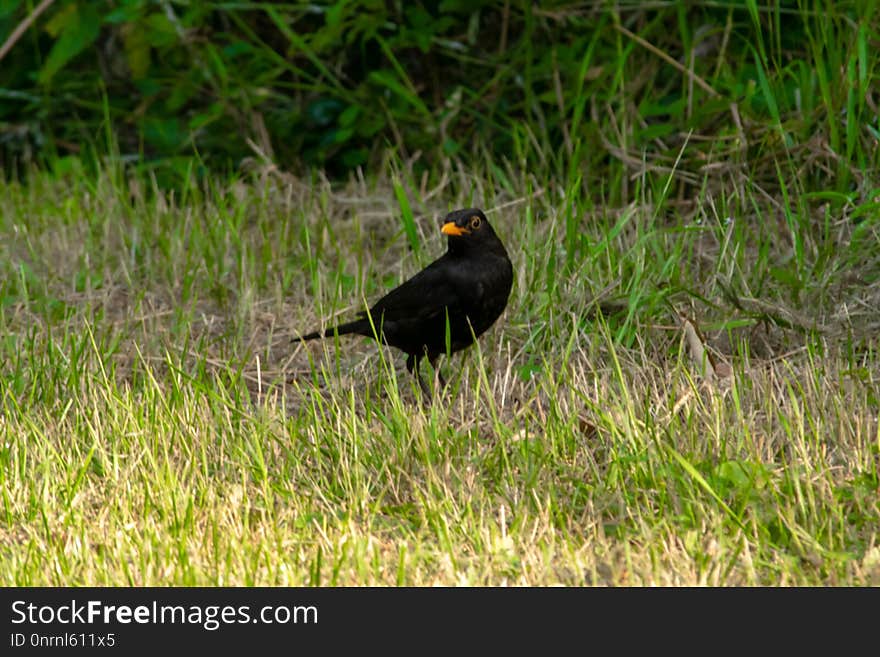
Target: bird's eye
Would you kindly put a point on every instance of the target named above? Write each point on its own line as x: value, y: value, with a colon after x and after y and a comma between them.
x: 475, y: 222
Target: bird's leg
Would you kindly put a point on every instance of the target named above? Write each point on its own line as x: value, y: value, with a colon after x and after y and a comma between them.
x: 412, y: 366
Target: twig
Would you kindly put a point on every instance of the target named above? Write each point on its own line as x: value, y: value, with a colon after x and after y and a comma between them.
x: 517, y: 201
x: 669, y: 60
x: 22, y: 27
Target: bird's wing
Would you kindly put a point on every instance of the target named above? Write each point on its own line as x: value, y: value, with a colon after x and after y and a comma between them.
x: 429, y: 293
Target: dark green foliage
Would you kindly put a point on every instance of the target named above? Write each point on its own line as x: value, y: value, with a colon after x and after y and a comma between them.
x: 336, y: 84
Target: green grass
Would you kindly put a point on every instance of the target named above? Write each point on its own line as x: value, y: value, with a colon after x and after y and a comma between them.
x: 684, y: 389
x: 157, y: 427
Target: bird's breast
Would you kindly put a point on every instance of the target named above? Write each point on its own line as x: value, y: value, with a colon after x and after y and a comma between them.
x: 490, y: 289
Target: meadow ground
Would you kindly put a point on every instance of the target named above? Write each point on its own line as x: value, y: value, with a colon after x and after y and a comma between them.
x: 683, y: 390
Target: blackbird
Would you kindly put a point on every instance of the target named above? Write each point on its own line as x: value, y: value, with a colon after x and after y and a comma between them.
x: 466, y: 290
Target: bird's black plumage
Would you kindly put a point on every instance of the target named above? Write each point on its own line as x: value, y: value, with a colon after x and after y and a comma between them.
x: 468, y: 285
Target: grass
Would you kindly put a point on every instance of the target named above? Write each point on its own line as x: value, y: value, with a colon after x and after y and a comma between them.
x: 684, y: 389
x: 157, y: 426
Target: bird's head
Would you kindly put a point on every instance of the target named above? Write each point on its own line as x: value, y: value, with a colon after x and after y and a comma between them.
x: 467, y: 229
x: 464, y: 223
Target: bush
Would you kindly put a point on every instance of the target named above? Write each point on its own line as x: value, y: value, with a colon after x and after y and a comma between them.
x: 335, y: 85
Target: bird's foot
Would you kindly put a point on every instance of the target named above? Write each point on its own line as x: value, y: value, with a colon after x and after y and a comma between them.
x: 438, y: 383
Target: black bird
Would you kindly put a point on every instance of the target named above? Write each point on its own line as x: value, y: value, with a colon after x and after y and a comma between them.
x: 467, y: 287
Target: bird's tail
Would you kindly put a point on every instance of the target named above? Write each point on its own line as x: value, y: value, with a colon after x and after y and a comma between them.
x: 359, y: 326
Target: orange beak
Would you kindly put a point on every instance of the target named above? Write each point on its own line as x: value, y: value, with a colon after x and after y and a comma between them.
x: 450, y: 228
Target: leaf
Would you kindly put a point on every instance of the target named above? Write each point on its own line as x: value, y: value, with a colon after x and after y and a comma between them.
x: 78, y: 28
x: 656, y: 130
x: 696, y: 476
x: 354, y: 157
x: 70, y: 164
x: 349, y: 115
x: 8, y: 7
x: 165, y: 134
x: 127, y: 13
x: 527, y: 371
x: 409, y: 224
x: 786, y: 277
x: 342, y: 135
x: 385, y: 78
x: 161, y: 32
x: 200, y: 120
x: 450, y: 146
x: 55, y: 25
x: 137, y: 50
x: 664, y: 107
x: 371, y: 123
